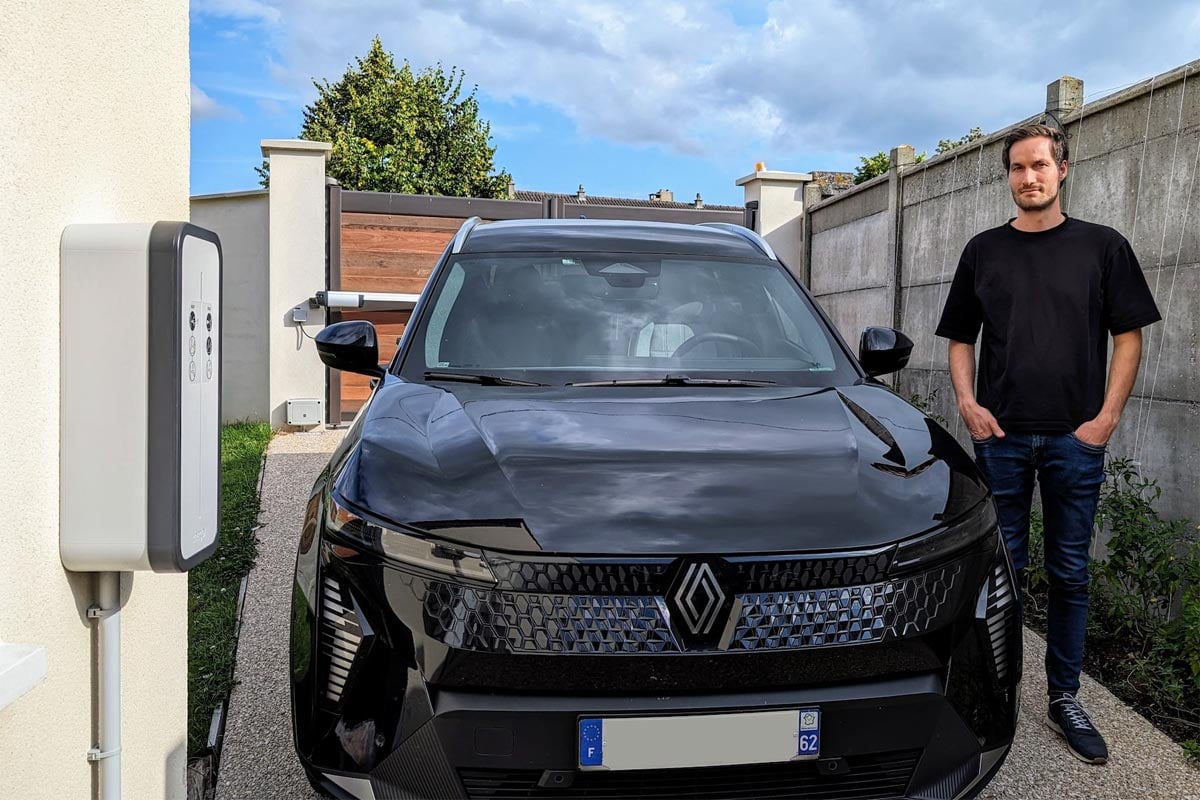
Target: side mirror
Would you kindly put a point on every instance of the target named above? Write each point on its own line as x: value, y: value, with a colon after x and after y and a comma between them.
x: 883, y: 350
x: 350, y: 346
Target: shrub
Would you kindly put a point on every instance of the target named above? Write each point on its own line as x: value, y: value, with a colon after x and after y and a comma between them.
x: 1149, y: 559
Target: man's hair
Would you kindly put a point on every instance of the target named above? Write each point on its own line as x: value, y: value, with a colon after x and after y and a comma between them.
x: 1058, y: 142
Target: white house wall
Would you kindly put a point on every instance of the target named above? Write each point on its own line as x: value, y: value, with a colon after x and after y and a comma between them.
x: 95, y: 129
x: 241, y: 221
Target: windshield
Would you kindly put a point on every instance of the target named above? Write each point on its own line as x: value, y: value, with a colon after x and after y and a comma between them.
x: 556, y: 319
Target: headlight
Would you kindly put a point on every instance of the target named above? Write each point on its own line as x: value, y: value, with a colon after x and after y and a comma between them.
x: 414, y: 551
x: 929, y: 548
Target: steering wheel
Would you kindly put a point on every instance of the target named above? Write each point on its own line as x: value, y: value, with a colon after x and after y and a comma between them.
x: 715, y: 336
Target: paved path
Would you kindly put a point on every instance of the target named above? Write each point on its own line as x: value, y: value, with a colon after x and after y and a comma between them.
x: 259, y: 762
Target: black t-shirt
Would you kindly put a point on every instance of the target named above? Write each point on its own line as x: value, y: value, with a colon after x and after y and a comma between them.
x: 1046, y: 302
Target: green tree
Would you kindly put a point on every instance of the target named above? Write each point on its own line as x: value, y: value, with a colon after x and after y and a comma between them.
x: 946, y: 145
x: 872, y: 166
x: 878, y: 164
x: 396, y: 130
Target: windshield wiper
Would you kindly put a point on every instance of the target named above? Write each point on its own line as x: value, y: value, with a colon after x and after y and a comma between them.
x: 676, y: 380
x: 480, y: 378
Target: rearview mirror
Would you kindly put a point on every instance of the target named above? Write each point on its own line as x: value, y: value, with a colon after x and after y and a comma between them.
x: 350, y: 346
x: 883, y: 350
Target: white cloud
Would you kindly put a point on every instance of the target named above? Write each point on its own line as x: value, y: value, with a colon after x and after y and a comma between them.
x: 256, y: 10
x: 816, y: 76
x: 205, y: 107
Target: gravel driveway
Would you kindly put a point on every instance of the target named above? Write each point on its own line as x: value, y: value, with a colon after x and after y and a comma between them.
x: 258, y: 760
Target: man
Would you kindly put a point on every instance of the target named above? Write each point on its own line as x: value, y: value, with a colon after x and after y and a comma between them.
x: 1047, y: 291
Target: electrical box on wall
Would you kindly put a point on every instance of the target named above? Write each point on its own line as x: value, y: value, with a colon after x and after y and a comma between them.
x: 139, y: 396
x: 303, y: 411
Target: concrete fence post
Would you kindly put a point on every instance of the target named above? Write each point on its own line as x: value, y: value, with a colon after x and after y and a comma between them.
x: 901, y: 157
x: 812, y: 196
x: 297, y: 269
x: 1064, y: 96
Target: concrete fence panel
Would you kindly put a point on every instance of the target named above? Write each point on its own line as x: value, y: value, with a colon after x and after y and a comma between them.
x: 865, y: 242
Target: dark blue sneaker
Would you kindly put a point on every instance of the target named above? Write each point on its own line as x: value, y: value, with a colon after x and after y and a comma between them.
x: 1070, y: 721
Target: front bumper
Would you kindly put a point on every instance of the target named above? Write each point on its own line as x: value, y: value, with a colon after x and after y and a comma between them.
x: 393, y: 699
x: 889, y: 739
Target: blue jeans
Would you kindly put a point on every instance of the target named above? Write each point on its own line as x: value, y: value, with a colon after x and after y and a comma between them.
x: 1070, y: 473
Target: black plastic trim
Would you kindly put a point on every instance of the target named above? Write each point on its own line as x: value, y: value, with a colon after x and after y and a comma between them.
x: 165, y: 395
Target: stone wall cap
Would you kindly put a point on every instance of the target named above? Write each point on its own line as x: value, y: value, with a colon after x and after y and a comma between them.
x: 776, y: 176
x: 299, y: 145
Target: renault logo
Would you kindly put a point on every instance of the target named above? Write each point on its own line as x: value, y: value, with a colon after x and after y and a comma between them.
x: 699, y: 599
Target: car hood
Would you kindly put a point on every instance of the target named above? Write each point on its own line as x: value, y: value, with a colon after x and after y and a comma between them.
x: 656, y: 471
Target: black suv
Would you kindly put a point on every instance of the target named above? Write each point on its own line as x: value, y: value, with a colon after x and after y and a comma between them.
x: 625, y: 517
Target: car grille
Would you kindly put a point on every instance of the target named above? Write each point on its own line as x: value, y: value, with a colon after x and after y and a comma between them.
x: 770, y: 575
x: 876, y: 777
x: 526, y: 622
x: 852, y: 615
x: 507, y: 622
x: 550, y: 576
x: 652, y: 576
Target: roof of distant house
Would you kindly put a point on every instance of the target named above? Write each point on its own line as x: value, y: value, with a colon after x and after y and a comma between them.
x: 657, y: 200
x: 832, y: 182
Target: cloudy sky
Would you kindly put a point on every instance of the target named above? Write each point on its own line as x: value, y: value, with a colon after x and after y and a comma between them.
x: 630, y: 97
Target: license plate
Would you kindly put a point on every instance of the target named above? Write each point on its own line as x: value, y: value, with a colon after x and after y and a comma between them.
x: 702, y: 740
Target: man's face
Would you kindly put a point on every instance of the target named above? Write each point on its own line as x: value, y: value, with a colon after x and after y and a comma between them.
x: 1033, y: 176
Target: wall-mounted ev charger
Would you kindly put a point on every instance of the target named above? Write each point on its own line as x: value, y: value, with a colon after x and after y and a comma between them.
x: 140, y: 411
x: 140, y: 396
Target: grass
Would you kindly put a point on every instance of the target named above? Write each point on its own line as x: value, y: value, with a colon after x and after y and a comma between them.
x: 213, y: 585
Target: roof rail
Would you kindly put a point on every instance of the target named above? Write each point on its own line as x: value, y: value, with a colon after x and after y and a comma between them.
x: 464, y: 231
x: 747, y: 234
